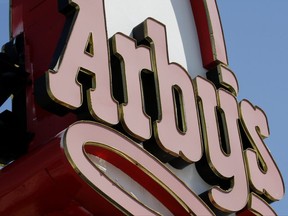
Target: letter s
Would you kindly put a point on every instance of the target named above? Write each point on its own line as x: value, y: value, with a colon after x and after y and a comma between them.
x: 264, y: 175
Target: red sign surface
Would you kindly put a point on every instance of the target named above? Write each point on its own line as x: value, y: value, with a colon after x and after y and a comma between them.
x: 120, y: 100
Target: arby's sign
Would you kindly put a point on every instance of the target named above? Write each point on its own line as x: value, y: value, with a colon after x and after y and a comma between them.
x: 147, y: 116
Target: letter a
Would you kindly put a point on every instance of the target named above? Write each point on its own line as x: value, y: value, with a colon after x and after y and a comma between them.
x: 86, y: 51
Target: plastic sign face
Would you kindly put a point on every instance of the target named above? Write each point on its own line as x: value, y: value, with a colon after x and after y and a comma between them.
x: 162, y: 116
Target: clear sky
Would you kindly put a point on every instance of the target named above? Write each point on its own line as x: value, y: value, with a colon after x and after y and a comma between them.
x: 256, y: 34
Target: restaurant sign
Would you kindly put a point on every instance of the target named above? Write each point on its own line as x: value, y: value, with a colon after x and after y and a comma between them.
x: 148, y: 119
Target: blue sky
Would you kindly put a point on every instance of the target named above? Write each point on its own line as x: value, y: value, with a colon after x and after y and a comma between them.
x: 256, y: 34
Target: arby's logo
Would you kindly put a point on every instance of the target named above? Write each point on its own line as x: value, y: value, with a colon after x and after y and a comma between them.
x: 148, y: 112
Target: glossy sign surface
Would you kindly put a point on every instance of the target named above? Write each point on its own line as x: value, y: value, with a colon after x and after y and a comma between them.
x: 97, y: 136
x: 128, y: 82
